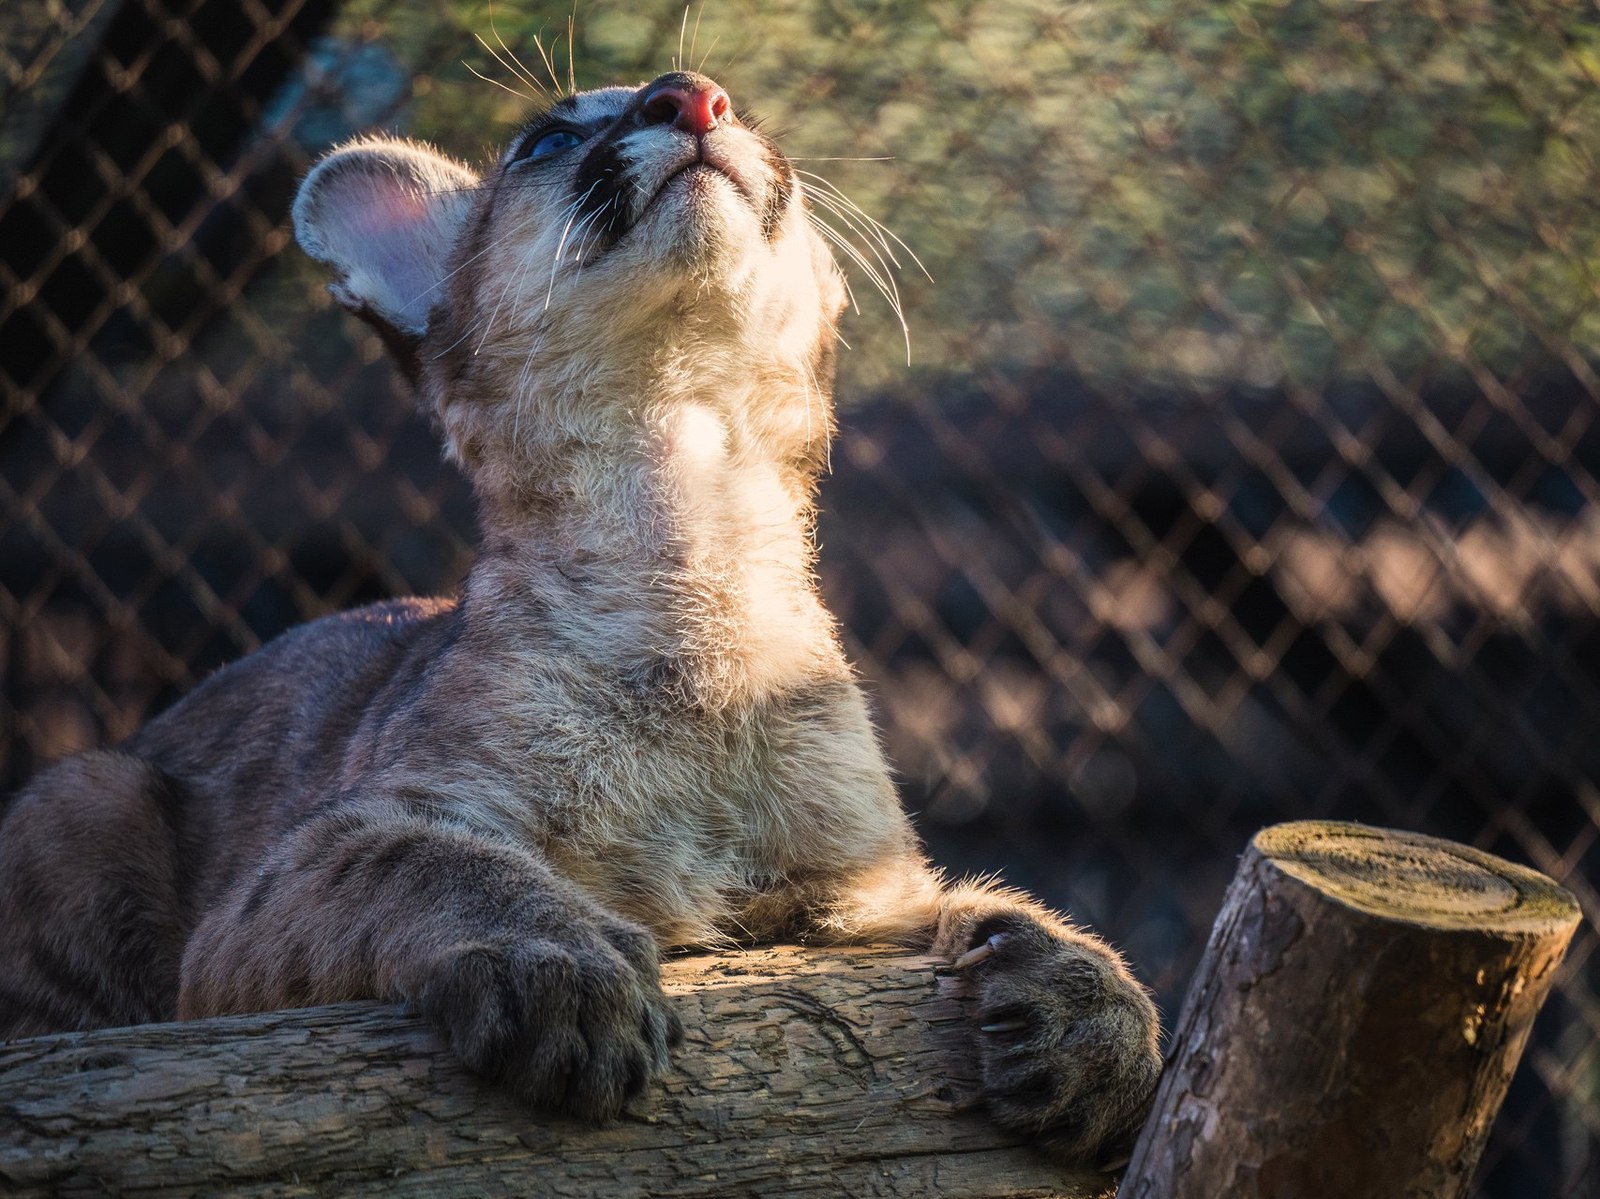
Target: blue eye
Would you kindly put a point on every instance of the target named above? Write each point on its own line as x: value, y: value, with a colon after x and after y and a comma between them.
x: 550, y: 143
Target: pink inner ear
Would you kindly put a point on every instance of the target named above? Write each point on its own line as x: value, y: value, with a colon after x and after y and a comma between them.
x: 384, y: 216
x: 393, y: 210
x: 396, y: 234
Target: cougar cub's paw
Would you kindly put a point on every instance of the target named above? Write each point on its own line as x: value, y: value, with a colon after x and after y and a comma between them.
x: 1066, y: 1039
x: 576, y: 1022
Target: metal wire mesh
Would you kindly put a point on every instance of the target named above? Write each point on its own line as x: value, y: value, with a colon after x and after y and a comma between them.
x: 1247, y: 469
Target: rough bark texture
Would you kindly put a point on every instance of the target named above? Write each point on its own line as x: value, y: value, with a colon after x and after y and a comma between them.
x: 805, y: 1072
x: 1355, y: 1020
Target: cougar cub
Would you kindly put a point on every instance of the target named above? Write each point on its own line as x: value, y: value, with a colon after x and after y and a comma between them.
x: 634, y: 727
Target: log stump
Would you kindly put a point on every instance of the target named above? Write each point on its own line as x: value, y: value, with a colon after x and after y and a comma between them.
x: 1355, y: 1020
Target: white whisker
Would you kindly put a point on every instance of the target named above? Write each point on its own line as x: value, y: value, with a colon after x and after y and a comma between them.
x: 549, y: 65
x: 468, y: 333
x: 883, y: 231
x: 572, y: 41
x: 883, y: 274
x: 567, y: 228
x: 694, y: 37
x: 452, y: 274
x: 583, y: 248
x: 488, y: 327
x: 879, y: 275
x: 524, y: 96
x: 508, y: 61
x: 522, y: 389
x: 583, y: 229
x: 711, y: 49
x: 505, y: 288
x: 526, y: 74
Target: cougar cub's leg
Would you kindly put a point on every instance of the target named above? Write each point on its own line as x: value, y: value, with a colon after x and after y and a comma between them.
x: 1067, y: 1041
x: 93, y: 907
x: 532, y: 982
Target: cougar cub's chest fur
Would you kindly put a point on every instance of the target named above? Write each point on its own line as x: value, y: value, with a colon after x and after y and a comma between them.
x: 627, y: 350
x: 681, y: 814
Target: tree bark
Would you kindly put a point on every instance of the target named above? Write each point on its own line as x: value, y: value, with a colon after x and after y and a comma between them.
x: 1354, y: 1023
x: 805, y: 1072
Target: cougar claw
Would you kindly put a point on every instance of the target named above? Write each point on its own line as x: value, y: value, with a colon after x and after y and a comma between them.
x: 980, y: 953
x: 1003, y: 1026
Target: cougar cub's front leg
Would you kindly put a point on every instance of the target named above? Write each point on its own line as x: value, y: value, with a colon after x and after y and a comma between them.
x: 1066, y: 1040
x: 534, y: 985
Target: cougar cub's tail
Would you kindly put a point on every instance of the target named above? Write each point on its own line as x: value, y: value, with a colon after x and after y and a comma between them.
x: 93, y: 910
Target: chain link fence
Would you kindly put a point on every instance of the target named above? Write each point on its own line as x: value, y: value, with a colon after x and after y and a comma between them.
x: 1245, y: 468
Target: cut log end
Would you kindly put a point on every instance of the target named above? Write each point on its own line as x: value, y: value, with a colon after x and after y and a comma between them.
x: 1421, y: 880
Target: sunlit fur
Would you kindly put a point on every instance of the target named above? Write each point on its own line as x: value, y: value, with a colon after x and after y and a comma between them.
x: 637, y: 715
x: 644, y: 420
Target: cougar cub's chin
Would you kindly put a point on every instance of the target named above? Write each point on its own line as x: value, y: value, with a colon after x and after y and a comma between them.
x: 634, y: 726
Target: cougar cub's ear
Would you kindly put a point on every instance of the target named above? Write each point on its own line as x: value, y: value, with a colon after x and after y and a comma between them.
x: 384, y: 215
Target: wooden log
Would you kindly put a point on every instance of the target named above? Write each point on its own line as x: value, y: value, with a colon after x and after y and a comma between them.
x: 805, y: 1072
x: 1354, y: 1023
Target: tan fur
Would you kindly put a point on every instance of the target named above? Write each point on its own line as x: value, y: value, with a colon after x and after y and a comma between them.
x: 637, y: 725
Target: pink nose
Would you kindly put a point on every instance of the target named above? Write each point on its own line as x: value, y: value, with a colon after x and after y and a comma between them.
x: 695, y: 105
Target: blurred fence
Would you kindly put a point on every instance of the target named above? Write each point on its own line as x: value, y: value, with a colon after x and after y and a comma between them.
x: 1246, y: 468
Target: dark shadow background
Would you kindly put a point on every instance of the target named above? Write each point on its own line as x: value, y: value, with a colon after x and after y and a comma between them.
x: 1246, y: 471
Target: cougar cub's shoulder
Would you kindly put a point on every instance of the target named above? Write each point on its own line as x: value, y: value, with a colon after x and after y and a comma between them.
x: 634, y: 726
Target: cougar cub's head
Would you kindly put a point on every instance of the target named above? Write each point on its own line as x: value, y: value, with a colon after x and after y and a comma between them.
x: 632, y: 249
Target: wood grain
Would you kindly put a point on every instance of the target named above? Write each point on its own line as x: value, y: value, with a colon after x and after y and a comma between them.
x: 805, y: 1072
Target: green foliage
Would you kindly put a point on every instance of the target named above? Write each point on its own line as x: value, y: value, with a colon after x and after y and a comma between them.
x: 1193, y: 191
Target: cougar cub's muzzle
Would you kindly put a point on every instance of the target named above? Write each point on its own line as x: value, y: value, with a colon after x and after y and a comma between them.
x: 619, y: 222
x: 663, y: 158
